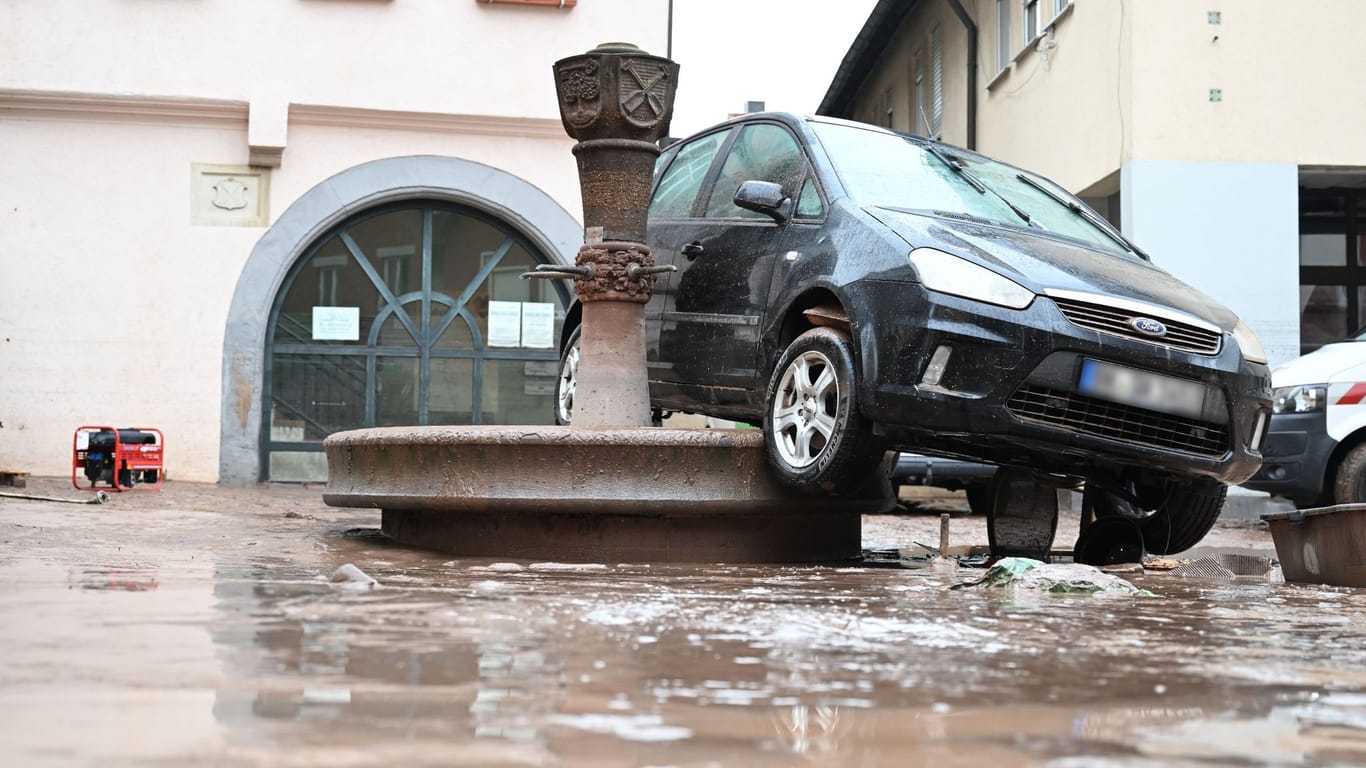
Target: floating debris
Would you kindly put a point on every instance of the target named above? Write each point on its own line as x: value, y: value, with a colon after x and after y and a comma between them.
x: 1163, y: 563
x: 1027, y: 573
x: 349, y: 576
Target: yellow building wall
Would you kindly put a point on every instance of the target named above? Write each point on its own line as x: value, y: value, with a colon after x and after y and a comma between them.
x: 1118, y: 80
x: 1291, y: 77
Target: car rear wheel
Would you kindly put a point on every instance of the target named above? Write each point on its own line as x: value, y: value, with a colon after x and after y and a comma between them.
x: 568, y: 379
x: 1173, y: 516
x: 814, y: 433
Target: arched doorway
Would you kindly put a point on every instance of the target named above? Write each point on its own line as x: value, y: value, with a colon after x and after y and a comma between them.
x: 407, y: 313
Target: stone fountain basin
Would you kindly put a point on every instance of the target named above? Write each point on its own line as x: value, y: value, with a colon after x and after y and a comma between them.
x: 618, y: 494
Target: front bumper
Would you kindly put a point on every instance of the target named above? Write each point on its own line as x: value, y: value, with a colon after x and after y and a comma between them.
x: 1009, y: 395
x: 1295, y: 458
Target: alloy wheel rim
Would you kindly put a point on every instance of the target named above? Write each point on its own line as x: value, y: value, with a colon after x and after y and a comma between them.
x: 805, y: 410
x: 569, y: 378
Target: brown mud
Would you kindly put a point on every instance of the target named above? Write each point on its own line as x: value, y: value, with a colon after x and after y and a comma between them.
x: 197, y: 625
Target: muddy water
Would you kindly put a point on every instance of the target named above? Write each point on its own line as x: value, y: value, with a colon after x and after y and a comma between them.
x: 204, y: 631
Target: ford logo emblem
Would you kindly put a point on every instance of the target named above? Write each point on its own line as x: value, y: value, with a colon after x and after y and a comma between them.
x: 1148, y: 326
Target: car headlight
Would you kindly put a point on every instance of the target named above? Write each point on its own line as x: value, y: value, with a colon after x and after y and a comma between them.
x: 947, y: 273
x: 1301, y: 399
x: 1247, y: 342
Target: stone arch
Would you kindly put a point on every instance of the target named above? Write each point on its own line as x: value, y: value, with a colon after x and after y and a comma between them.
x: 513, y: 199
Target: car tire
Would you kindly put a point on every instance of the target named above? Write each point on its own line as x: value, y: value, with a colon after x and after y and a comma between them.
x: 814, y: 433
x: 1022, y: 520
x: 1349, y: 480
x: 979, y: 498
x: 1174, y: 520
x: 566, y: 381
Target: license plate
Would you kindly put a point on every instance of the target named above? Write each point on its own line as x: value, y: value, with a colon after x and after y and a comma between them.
x: 1142, y: 389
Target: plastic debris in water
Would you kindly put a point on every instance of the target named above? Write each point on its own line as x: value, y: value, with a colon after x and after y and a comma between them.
x: 1027, y: 573
x: 350, y: 577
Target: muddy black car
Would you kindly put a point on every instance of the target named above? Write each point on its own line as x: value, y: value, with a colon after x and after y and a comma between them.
x: 855, y: 290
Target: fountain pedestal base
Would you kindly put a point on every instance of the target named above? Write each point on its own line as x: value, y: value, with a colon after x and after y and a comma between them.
x: 599, y: 494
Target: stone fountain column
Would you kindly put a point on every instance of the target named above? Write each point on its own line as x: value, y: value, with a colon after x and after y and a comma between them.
x: 617, y: 100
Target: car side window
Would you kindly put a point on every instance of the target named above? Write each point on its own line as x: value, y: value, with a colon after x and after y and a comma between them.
x: 765, y: 152
x: 663, y: 162
x: 677, y: 189
x: 809, y: 204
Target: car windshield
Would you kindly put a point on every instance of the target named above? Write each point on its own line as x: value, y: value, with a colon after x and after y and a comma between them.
x: 891, y: 171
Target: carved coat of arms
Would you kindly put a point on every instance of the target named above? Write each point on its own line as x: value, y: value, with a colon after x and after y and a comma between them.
x: 581, y: 94
x: 230, y: 194
x: 644, y: 92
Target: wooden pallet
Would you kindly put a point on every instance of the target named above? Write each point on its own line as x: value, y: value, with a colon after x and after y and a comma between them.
x: 13, y: 478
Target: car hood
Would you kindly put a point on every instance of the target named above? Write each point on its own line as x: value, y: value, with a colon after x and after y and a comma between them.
x: 1041, y: 262
x: 1320, y: 366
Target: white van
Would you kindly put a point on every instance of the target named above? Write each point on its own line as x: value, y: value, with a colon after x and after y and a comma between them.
x: 1315, y: 453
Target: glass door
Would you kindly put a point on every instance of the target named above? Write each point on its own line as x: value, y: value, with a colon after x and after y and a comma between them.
x: 409, y: 314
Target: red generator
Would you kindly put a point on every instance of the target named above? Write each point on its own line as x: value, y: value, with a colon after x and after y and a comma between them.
x: 122, y: 458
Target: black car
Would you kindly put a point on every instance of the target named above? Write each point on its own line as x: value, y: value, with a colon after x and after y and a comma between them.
x: 856, y: 290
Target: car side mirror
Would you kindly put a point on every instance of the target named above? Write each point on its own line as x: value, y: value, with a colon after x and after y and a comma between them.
x: 764, y: 197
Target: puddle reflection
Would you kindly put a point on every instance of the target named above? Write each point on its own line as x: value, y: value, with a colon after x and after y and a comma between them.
x: 250, y: 657
x: 104, y: 578
x: 636, y: 665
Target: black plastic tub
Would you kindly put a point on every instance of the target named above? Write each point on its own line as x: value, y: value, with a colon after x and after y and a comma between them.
x: 1323, y: 545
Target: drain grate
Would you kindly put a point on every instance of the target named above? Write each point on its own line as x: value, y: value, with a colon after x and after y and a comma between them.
x: 1225, y: 566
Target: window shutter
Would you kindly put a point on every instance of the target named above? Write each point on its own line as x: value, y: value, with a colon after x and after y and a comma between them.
x: 1002, y: 34
x: 919, y: 121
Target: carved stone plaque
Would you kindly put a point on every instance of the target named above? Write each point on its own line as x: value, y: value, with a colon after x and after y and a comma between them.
x: 229, y: 195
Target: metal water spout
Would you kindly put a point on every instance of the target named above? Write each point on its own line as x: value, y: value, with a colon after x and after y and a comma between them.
x: 617, y: 101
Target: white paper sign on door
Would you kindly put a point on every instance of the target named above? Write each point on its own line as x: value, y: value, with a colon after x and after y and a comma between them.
x: 336, y: 323
x: 505, y: 323
x: 538, y: 325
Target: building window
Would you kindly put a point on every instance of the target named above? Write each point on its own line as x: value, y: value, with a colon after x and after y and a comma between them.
x: 1002, y: 34
x: 393, y: 266
x: 1059, y: 6
x: 1332, y: 266
x: 919, y: 124
x: 329, y: 270
x: 887, y: 105
x: 1031, y: 20
x: 936, y: 83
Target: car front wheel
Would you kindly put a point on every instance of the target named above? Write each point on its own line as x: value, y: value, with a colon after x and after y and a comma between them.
x: 568, y: 379
x: 1173, y: 516
x: 814, y: 433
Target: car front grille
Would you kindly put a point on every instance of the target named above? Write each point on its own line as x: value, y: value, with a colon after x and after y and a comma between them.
x: 1118, y: 422
x: 1115, y: 320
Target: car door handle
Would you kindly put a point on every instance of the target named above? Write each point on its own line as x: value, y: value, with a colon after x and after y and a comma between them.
x: 692, y: 250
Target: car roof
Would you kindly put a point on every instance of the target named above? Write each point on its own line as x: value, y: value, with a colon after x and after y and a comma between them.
x: 797, y: 117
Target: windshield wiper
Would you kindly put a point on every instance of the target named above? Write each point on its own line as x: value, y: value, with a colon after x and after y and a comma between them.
x: 1080, y: 210
x: 976, y: 183
x: 957, y: 168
